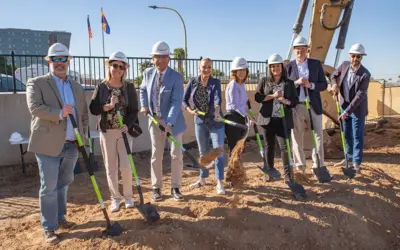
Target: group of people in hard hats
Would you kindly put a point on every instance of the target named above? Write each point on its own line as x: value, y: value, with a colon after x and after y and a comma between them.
x: 53, y: 97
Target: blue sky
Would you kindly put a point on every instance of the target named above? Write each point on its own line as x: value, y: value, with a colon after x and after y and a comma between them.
x: 218, y: 29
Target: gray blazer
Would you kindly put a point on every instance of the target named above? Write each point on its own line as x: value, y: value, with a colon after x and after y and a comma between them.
x: 358, y: 89
x: 47, y: 131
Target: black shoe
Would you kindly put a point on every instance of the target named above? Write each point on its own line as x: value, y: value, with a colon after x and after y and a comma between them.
x: 51, y: 237
x: 64, y: 224
x: 156, y: 194
x: 176, y: 194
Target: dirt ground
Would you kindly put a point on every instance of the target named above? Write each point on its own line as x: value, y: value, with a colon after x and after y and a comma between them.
x: 363, y: 213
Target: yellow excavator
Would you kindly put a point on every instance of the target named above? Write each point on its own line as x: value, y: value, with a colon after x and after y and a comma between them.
x: 327, y: 16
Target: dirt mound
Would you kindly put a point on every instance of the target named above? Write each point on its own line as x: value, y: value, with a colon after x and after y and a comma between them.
x: 363, y: 213
x: 236, y: 174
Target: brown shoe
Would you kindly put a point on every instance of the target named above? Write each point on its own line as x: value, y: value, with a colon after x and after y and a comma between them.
x: 64, y: 224
x: 51, y: 237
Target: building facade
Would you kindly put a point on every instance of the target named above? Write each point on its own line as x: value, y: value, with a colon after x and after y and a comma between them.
x: 30, y: 43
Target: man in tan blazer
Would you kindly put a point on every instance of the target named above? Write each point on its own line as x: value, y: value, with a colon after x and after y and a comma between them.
x: 51, y: 98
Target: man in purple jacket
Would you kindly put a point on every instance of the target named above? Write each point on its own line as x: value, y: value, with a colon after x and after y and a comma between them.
x: 308, y: 76
x: 351, y: 79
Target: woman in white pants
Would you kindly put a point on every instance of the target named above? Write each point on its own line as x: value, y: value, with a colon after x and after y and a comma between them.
x: 113, y: 94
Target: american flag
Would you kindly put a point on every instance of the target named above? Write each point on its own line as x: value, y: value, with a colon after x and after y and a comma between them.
x: 89, y: 29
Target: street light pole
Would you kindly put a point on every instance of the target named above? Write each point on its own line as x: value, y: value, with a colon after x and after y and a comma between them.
x: 184, y: 29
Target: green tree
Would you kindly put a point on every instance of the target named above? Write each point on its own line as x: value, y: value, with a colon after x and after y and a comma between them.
x: 217, y: 73
x: 144, y: 65
x: 179, y: 55
x: 4, y: 67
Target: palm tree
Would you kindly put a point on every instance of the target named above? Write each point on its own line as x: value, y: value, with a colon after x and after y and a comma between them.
x: 144, y: 65
x: 179, y: 54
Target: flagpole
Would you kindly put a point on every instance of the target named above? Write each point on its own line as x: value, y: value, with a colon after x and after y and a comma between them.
x: 102, y: 35
x: 90, y: 59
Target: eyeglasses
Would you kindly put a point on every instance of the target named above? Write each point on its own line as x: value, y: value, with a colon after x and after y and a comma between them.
x: 356, y: 56
x: 117, y: 66
x: 59, y: 59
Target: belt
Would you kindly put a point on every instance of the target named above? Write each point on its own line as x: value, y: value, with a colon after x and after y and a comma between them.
x: 302, y: 103
x: 68, y: 141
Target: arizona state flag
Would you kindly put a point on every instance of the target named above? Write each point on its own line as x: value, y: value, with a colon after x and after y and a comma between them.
x: 104, y: 23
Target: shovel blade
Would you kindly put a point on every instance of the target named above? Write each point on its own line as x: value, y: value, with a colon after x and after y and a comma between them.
x: 349, y: 172
x: 322, y: 174
x: 114, y: 230
x: 298, y: 190
x: 149, y: 212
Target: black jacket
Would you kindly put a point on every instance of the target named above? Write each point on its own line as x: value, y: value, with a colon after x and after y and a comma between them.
x: 289, y: 93
x: 316, y: 76
x: 99, y: 99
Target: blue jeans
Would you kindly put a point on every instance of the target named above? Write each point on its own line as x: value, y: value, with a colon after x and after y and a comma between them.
x: 56, y: 174
x: 354, y: 137
x: 203, y: 133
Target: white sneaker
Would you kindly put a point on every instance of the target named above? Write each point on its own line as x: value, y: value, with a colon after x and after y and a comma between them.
x: 220, y: 188
x: 129, y: 203
x: 198, y: 184
x: 115, y: 205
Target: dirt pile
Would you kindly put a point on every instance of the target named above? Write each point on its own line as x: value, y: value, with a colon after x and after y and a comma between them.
x: 236, y: 174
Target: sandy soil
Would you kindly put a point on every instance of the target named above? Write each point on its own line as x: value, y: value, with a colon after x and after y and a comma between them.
x: 363, y: 213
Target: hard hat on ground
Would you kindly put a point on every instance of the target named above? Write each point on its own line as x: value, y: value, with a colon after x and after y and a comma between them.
x: 160, y: 48
x: 300, y: 41
x: 15, y: 137
x: 239, y: 63
x: 357, y: 48
x: 58, y: 49
x: 118, y: 56
x: 275, y: 59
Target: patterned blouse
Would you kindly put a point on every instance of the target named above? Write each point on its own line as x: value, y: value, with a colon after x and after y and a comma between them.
x: 112, y: 118
x: 276, y: 110
x: 200, y: 98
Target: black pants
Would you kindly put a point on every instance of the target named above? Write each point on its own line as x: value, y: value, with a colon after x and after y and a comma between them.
x: 272, y: 130
x: 234, y: 134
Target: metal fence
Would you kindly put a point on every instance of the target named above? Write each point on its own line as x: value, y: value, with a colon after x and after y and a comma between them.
x: 15, y: 70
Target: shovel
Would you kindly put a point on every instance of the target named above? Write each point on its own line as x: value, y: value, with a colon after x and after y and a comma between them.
x: 297, y: 189
x: 92, y: 160
x: 347, y: 171
x: 321, y: 172
x: 148, y: 211
x: 113, y: 229
x: 271, y: 172
x: 195, y: 163
x: 235, y: 124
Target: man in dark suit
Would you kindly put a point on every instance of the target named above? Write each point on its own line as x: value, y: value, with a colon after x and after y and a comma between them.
x: 308, y: 76
x: 351, y: 79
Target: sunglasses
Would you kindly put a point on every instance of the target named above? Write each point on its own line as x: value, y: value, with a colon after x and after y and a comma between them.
x: 117, y: 66
x: 59, y: 59
x: 356, y: 56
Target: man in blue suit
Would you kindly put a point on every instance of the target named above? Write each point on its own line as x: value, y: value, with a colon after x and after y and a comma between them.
x: 161, y: 94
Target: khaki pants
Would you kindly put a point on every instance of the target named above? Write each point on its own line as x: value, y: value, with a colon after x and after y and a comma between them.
x: 113, y: 148
x: 300, y: 114
x: 157, y: 153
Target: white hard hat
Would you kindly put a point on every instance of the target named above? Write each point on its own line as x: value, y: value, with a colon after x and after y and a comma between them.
x: 118, y: 56
x: 58, y: 49
x: 160, y: 48
x: 300, y: 41
x: 239, y: 63
x: 15, y: 137
x: 275, y: 59
x: 357, y: 48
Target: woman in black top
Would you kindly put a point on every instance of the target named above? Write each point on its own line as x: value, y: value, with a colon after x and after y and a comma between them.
x: 113, y: 94
x: 272, y: 91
